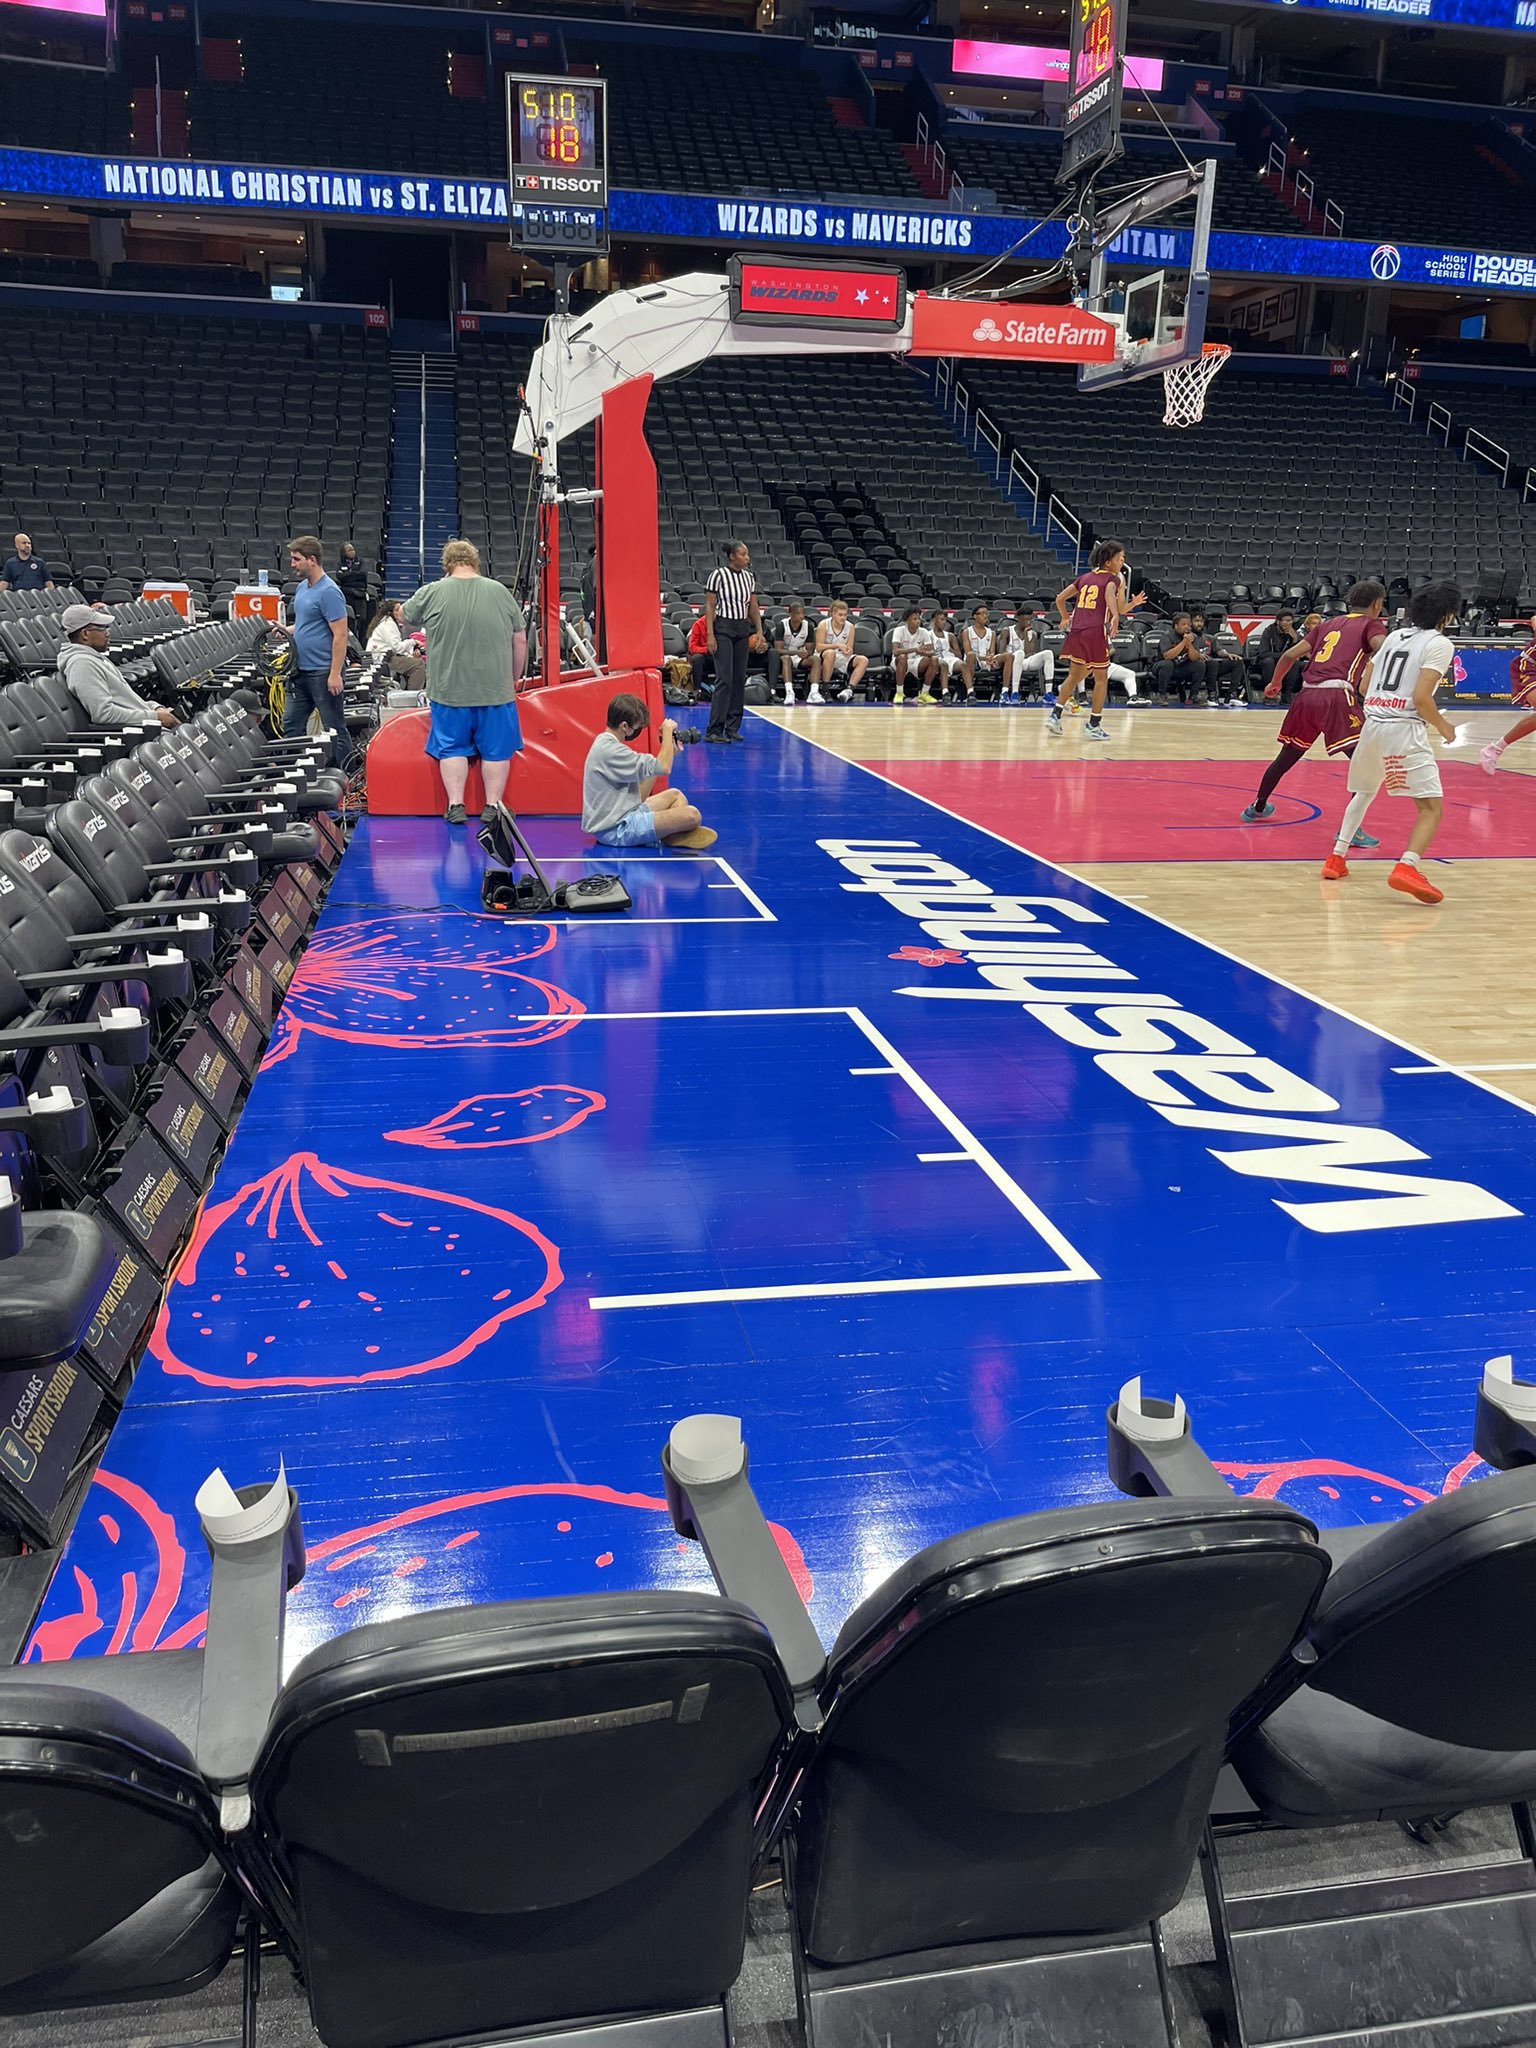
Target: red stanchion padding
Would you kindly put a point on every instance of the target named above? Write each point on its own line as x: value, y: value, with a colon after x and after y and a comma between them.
x: 558, y: 723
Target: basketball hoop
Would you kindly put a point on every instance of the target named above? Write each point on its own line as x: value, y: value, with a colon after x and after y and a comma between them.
x: 1186, y: 384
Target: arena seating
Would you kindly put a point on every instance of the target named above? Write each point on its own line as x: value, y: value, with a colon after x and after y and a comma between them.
x: 62, y: 106
x: 738, y: 116
x: 1287, y: 483
x: 1504, y: 414
x: 731, y: 434
x: 191, y: 448
x: 732, y: 124
x: 1420, y: 180
x: 493, y: 480
x: 377, y: 100
x: 1020, y: 167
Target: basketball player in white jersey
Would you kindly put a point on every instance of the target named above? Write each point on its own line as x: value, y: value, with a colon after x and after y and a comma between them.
x: 945, y: 652
x: 912, y: 657
x: 1026, y: 662
x: 797, y: 652
x: 1398, y: 703
x: 982, y: 670
x: 840, y: 666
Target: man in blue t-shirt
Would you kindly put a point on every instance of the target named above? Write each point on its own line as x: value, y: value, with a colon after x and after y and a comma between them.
x: 24, y: 570
x: 319, y: 634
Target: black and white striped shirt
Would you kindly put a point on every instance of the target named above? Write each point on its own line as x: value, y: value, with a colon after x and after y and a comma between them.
x: 733, y: 590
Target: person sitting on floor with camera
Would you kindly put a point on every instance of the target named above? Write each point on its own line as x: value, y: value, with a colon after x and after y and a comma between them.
x: 620, y: 803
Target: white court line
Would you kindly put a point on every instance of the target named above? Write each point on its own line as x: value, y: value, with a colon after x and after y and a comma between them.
x: 1478, y: 1067
x: 751, y: 894
x: 1098, y: 889
x: 830, y: 1289
x: 1073, y: 1265
x: 871, y: 1070
x: 939, y: 1158
x: 597, y: 920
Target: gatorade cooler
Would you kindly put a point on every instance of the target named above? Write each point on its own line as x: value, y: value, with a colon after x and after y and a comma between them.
x: 178, y: 593
x: 257, y: 601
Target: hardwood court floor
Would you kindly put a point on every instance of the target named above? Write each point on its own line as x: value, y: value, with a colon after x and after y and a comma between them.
x: 1457, y: 980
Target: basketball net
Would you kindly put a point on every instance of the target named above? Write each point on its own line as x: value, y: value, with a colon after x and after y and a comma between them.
x: 1186, y: 384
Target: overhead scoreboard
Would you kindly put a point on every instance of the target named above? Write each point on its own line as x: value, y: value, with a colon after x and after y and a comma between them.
x: 1090, y: 127
x: 557, y: 153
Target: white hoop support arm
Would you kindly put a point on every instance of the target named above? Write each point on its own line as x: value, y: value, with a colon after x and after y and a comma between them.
x: 665, y: 329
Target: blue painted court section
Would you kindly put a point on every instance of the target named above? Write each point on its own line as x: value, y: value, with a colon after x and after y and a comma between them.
x: 871, y: 1128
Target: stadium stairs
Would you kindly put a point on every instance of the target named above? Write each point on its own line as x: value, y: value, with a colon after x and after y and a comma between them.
x: 423, y: 478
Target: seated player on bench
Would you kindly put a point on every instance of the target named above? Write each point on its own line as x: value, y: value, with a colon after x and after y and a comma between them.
x: 620, y: 803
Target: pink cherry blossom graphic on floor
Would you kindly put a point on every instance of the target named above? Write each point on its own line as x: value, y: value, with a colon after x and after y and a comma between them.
x: 314, y: 1276
x: 524, y: 1116
x: 409, y: 983
x: 128, y: 1567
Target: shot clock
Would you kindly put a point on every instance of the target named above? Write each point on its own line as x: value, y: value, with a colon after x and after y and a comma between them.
x: 557, y: 152
x: 1090, y: 128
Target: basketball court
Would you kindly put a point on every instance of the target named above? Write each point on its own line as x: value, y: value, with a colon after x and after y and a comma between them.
x: 801, y: 1140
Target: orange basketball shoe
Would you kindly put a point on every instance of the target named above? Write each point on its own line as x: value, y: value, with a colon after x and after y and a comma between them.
x: 1413, y: 883
x: 1335, y: 868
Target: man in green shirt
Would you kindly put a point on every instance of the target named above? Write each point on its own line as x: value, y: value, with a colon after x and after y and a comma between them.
x: 477, y: 643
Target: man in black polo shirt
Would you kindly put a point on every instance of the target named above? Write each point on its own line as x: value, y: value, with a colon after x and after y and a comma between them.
x: 24, y: 570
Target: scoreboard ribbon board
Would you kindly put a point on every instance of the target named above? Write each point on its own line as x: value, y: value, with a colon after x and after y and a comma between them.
x: 1090, y: 127
x: 557, y: 156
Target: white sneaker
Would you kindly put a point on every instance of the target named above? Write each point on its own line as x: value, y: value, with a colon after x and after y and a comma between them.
x: 1490, y: 759
x: 789, y: 699
x: 1053, y: 723
x: 1094, y: 732
x: 815, y: 697
x: 845, y: 696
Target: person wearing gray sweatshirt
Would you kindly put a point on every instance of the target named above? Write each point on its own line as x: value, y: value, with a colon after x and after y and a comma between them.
x: 97, y: 684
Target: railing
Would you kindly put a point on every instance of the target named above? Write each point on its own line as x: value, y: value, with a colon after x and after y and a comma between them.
x: 1529, y: 490
x: 1438, y: 421
x: 991, y: 437
x: 931, y: 150
x: 1059, y: 515
x: 421, y: 481
x: 1011, y: 471
x: 1405, y: 396
x: 1303, y: 190
x: 1489, y: 451
x: 1023, y: 476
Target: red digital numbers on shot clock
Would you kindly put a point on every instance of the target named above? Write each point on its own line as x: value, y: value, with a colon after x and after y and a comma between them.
x: 1097, y: 54
x: 556, y: 125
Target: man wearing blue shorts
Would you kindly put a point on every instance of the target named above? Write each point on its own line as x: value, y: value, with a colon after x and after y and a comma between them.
x: 620, y: 803
x: 319, y: 634
x: 477, y: 642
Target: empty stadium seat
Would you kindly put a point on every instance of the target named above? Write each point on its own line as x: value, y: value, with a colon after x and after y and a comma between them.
x: 1369, y: 1721
x: 105, y: 475
x: 1343, y: 489
x: 1016, y: 1738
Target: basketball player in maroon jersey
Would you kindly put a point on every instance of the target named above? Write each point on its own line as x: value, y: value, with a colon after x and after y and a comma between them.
x: 1522, y: 692
x: 1327, y: 706
x: 1100, y: 605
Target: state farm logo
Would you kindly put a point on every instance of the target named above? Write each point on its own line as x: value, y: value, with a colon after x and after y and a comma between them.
x: 987, y: 331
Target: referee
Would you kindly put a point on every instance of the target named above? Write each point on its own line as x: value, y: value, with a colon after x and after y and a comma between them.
x: 732, y: 624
